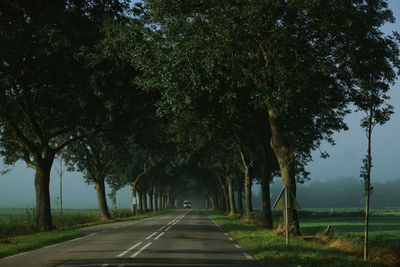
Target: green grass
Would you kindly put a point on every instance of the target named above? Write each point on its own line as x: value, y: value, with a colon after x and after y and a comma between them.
x: 384, y: 228
x: 15, y: 245
x: 271, y: 249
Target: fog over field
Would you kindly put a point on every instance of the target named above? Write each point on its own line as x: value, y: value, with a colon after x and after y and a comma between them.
x: 17, y: 186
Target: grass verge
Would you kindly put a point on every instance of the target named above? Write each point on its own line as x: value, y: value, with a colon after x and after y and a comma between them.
x: 17, y: 244
x: 14, y: 245
x: 270, y: 249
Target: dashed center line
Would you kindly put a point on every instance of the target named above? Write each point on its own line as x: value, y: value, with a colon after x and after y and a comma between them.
x: 150, y: 236
x: 157, y: 237
x: 140, y: 250
x: 129, y: 249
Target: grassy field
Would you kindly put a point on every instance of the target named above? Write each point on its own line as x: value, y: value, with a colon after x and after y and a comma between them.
x: 343, y: 247
x: 12, y: 214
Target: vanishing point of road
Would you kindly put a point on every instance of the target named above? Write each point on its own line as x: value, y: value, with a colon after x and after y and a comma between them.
x: 179, y: 238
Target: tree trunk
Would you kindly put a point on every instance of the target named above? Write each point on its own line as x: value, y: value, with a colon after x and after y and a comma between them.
x: 368, y: 183
x: 230, y: 194
x: 240, y: 197
x: 266, y: 202
x: 156, y: 201
x: 133, y: 198
x: 286, y: 162
x: 247, y: 183
x: 145, y: 200
x: 42, y: 182
x: 101, y: 198
x: 141, y: 200
x: 151, y: 199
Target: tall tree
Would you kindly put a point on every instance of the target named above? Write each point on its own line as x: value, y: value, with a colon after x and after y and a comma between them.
x: 370, y: 95
x: 46, y: 98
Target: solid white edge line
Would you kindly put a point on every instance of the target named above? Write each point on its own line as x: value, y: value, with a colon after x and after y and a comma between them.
x: 76, y: 239
x: 104, y: 265
x: 161, y: 228
x: 13, y: 256
x: 226, y: 234
x: 157, y: 237
x: 140, y: 250
x: 52, y: 245
x: 129, y: 249
x: 237, y: 246
x: 247, y: 255
x: 230, y: 238
x: 92, y: 234
x: 150, y: 236
x: 169, y: 227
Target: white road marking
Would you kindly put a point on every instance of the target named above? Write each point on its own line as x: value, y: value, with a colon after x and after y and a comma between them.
x: 150, y: 236
x: 92, y: 234
x: 20, y: 254
x: 104, y: 265
x: 230, y: 238
x: 247, y: 255
x: 52, y: 245
x: 169, y: 227
x: 237, y: 246
x: 129, y: 249
x: 140, y: 250
x: 76, y: 239
x: 226, y: 234
x: 161, y: 228
x: 157, y: 237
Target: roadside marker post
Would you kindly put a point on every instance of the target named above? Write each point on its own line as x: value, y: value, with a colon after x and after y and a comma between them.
x: 286, y: 201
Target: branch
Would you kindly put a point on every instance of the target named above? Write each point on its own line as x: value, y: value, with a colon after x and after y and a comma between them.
x: 27, y: 144
x: 59, y: 132
x: 60, y: 147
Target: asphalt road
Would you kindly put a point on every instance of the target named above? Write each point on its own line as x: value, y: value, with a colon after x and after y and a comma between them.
x: 180, y: 238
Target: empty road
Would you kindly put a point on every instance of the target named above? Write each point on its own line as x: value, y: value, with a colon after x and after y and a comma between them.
x: 180, y: 238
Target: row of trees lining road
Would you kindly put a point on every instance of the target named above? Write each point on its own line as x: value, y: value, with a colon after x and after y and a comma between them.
x: 170, y: 96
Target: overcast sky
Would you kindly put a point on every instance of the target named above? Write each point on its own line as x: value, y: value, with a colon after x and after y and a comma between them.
x: 17, y: 187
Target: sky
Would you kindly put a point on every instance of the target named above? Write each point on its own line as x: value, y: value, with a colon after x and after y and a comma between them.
x: 17, y: 187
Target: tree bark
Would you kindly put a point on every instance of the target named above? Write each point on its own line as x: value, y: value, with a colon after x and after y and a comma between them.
x: 141, y: 200
x: 247, y: 183
x: 43, y: 209
x: 230, y: 194
x: 101, y: 198
x: 151, y: 199
x: 239, y: 196
x: 133, y: 198
x: 266, y: 202
x: 145, y: 200
x: 156, y: 201
x: 286, y: 162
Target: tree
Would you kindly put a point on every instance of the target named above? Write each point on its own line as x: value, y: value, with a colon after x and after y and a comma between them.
x: 370, y: 95
x: 46, y: 97
x: 299, y: 56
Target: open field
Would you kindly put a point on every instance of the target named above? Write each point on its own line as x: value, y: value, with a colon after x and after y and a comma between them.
x: 271, y: 250
x: 7, y: 214
x: 344, y: 240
